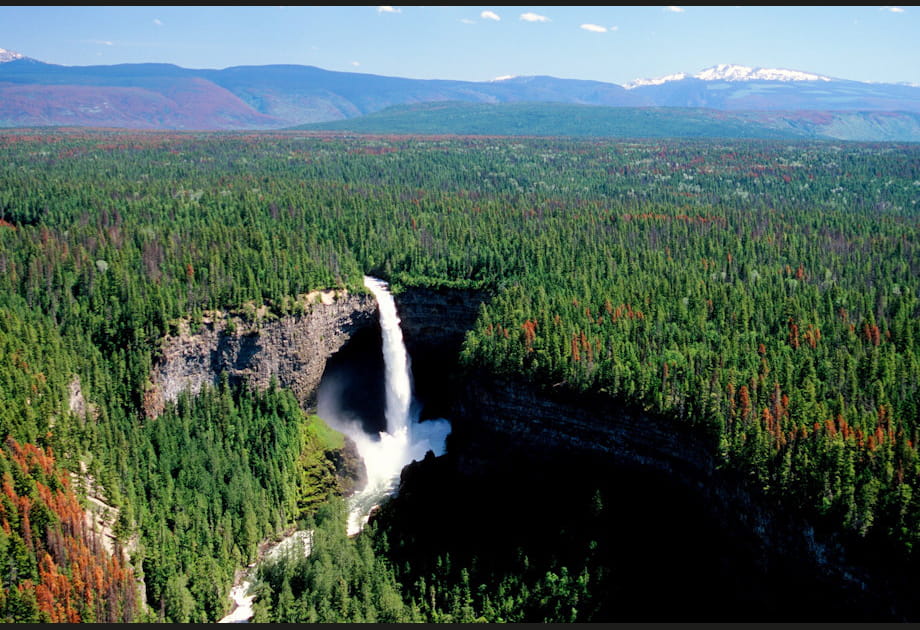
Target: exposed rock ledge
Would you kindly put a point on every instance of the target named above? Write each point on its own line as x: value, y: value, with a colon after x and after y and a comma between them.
x: 292, y: 349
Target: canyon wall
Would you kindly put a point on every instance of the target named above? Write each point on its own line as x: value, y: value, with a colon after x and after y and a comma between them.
x: 434, y: 324
x: 291, y: 349
x: 506, y: 412
x: 497, y: 420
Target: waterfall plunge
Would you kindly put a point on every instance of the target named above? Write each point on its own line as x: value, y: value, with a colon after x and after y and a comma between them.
x: 405, y: 439
x: 395, y: 360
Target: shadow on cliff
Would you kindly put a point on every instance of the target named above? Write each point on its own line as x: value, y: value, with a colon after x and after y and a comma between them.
x: 655, y: 552
x: 664, y: 544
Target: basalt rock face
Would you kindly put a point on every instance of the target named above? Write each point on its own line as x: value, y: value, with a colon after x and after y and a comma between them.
x: 291, y: 349
x: 434, y: 323
x: 499, y: 411
x: 437, y: 318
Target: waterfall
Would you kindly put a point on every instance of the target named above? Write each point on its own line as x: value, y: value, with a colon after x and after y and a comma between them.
x: 396, y: 361
x: 406, y: 439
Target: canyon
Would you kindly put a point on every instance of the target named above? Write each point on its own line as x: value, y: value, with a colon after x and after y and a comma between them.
x: 500, y: 424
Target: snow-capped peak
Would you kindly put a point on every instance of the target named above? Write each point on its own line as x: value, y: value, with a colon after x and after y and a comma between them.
x: 658, y: 81
x: 9, y: 55
x: 734, y: 72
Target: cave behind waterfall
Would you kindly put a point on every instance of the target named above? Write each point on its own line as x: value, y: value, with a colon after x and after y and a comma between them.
x: 352, y: 387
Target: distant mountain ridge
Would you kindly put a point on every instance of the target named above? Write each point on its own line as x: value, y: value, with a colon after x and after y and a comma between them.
x: 166, y: 96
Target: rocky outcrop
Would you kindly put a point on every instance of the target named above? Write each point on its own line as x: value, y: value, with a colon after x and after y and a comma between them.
x: 100, y: 516
x: 256, y: 349
x: 76, y: 402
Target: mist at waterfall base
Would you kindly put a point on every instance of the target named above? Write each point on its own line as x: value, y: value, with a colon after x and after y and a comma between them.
x: 347, y: 399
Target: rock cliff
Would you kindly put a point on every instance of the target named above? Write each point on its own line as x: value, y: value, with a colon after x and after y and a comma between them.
x: 257, y: 348
x: 501, y: 411
x: 434, y: 324
x: 292, y: 349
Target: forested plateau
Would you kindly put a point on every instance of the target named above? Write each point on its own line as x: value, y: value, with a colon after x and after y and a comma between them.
x: 762, y: 295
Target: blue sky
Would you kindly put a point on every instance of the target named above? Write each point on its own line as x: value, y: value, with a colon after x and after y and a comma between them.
x: 613, y: 44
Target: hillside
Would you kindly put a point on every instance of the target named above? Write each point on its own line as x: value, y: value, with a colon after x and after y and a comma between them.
x: 557, y: 119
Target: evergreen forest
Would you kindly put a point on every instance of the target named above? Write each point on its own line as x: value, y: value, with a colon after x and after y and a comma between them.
x: 764, y: 293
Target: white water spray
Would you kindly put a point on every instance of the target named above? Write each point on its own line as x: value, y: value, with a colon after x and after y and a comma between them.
x: 406, y: 439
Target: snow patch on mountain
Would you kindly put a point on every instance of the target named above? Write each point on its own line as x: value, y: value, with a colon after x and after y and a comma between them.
x: 730, y: 72
x: 734, y: 72
x: 671, y: 77
x: 9, y: 55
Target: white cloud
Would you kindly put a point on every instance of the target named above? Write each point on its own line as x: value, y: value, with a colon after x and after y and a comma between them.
x: 489, y: 15
x: 356, y: 63
x: 100, y: 42
x: 893, y: 9
x: 594, y: 28
x: 534, y: 17
x: 388, y: 10
x: 675, y: 9
x: 157, y: 22
x: 467, y: 21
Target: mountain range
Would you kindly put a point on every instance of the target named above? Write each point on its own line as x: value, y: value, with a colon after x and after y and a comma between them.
x: 725, y: 100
